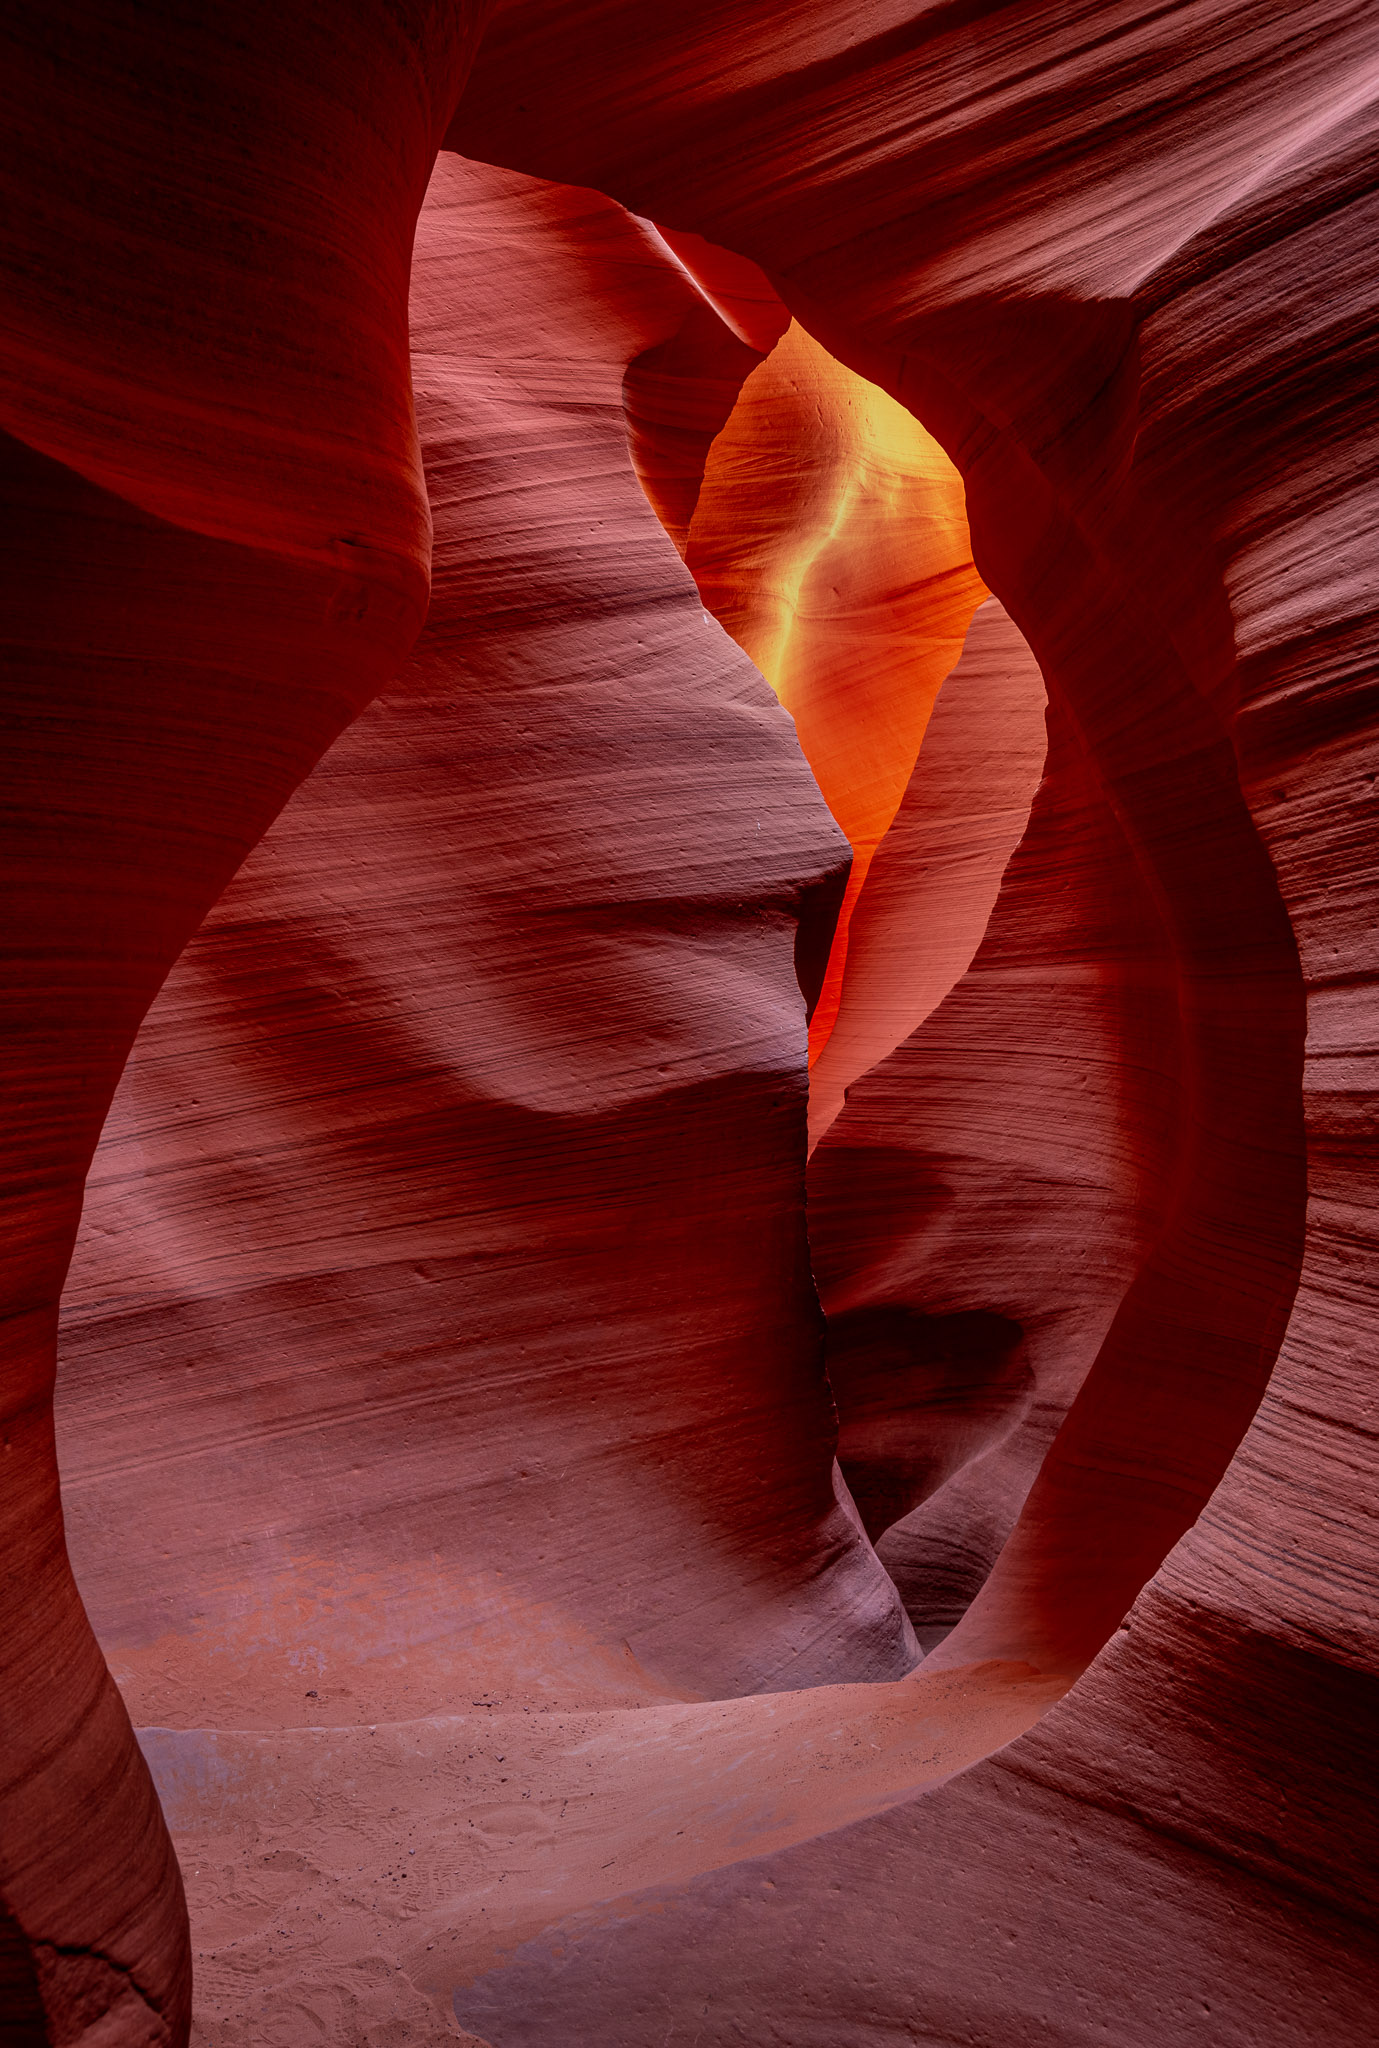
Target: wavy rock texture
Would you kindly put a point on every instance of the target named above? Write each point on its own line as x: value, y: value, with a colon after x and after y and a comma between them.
x: 218, y: 541
x: 1027, y: 359
x: 1116, y: 259
x: 919, y: 920
x: 399, y: 1230
x: 830, y: 537
x: 1095, y: 1238
x: 1033, y: 1111
x: 679, y: 395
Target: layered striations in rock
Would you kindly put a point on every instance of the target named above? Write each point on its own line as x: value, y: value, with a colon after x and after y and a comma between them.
x: 1134, y: 324
x: 448, y: 1452
x: 930, y: 892
x: 217, y: 546
x: 830, y: 537
x: 490, y: 1054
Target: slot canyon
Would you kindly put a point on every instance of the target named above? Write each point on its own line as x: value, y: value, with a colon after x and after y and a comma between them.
x: 691, y: 992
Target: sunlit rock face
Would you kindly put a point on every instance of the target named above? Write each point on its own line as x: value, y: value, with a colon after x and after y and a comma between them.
x: 553, y: 1478
x: 830, y: 537
x: 940, y: 864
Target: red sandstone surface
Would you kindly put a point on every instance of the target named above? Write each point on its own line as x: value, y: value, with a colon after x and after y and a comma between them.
x: 566, y: 1523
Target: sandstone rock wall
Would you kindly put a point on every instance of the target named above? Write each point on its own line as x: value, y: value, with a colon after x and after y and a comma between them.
x: 447, y: 1449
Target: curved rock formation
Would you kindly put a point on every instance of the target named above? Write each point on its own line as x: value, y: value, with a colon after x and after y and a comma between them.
x: 830, y: 537
x: 437, y: 1208
x: 1135, y: 328
x: 931, y: 889
x: 985, y: 1199
x: 438, y: 1091
x: 1026, y: 359
x: 679, y: 395
x: 218, y: 544
x: 467, y: 1331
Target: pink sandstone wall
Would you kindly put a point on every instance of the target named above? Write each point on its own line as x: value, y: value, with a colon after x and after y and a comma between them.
x: 446, y: 1419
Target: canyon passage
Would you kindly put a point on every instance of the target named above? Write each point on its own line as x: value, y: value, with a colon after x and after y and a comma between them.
x: 690, y: 1011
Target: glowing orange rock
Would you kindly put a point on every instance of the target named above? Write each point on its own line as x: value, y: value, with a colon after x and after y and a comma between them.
x: 931, y: 889
x: 830, y: 538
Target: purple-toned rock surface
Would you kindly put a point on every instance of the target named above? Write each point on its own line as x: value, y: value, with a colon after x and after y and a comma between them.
x: 446, y: 1423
